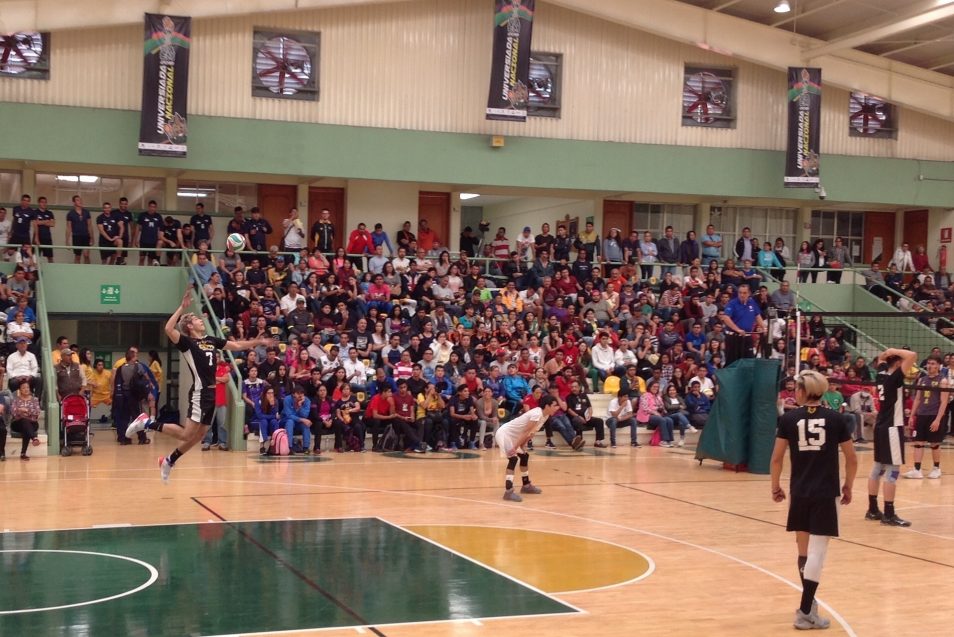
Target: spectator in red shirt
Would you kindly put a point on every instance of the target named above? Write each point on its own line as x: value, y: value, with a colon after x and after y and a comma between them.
x: 220, y: 430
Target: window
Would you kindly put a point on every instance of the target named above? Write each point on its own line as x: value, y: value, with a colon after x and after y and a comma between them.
x: 767, y: 224
x: 95, y: 190
x: 870, y: 116
x: 113, y: 334
x: 545, y: 84
x: 847, y: 224
x: 656, y: 216
x: 708, y: 97
x: 10, y: 186
x: 25, y: 55
x: 285, y: 64
x: 216, y: 197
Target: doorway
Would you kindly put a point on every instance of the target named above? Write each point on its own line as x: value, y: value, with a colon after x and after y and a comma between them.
x: 435, y: 207
x: 878, y: 237
x: 332, y: 200
x: 275, y: 200
x: 618, y: 214
x: 916, y: 228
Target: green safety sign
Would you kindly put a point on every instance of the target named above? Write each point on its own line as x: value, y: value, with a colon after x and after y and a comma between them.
x: 108, y: 294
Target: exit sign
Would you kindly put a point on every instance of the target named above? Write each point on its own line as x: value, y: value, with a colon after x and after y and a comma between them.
x: 109, y: 294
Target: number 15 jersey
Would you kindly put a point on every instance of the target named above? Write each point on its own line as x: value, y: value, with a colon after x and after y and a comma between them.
x: 813, y: 435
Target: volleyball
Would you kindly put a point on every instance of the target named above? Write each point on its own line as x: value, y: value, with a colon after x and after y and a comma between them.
x: 235, y: 241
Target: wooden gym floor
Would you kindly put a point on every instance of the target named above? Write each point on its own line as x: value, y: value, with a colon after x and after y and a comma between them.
x: 621, y: 542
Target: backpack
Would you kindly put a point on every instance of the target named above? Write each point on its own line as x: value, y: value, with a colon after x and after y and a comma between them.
x: 139, y: 386
x: 352, y: 442
x: 389, y: 441
x: 279, y: 444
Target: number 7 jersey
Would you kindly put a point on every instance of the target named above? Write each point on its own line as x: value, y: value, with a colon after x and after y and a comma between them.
x: 201, y: 355
x: 813, y: 435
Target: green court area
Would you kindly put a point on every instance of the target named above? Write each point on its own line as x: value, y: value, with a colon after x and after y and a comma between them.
x: 244, y: 577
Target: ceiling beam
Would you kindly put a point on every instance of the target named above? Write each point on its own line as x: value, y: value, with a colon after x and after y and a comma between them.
x: 942, y: 9
x: 797, y: 15
x: 940, y: 63
x: 736, y: 38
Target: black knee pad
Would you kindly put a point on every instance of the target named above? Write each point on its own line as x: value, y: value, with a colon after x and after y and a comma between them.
x: 935, y: 446
x: 512, y: 463
x: 524, y: 459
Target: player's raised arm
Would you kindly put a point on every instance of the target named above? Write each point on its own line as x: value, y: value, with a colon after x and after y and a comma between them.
x: 172, y: 325
x: 239, y: 346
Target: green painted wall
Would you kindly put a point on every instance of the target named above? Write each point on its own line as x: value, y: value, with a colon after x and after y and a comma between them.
x: 98, y: 136
x: 75, y: 289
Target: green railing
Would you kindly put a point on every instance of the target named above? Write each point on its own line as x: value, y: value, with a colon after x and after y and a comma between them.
x: 52, y: 405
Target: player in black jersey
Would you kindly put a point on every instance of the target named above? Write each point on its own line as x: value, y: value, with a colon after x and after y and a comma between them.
x: 927, y: 413
x: 812, y: 434
x: 888, y: 436
x: 200, y: 354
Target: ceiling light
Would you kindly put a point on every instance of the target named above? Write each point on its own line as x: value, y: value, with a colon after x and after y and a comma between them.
x: 191, y: 193
x: 468, y: 195
x: 70, y: 178
x: 88, y: 179
x: 783, y: 7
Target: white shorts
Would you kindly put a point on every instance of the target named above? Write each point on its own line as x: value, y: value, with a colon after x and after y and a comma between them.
x: 506, y: 442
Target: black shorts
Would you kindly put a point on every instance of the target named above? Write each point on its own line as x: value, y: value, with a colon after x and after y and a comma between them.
x: 202, y: 406
x: 46, y: 252
x: 818, y: 516
x: 105, y: 254
x: 888, y: 445
x: 80, y: 242
x: 923, y: 433
x: 153, y: 255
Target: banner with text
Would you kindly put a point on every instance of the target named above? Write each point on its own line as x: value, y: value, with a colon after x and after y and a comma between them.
x: 510, y: 72
x: 804, y: 122
x: 164, y: 125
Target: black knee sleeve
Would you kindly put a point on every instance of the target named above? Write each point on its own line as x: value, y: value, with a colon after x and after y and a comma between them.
x: 524, y: 459
x: 935, y: 446
x: 512, y: 463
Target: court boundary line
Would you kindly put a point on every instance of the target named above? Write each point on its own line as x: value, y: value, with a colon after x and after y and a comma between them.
x: 153, y: 576
x: 777, y: 524
x: 649, y: 560
x: 533, y: 588
x: 248, y: 537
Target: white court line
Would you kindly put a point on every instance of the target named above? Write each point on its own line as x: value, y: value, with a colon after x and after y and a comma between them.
x: 649, y: 560
x: 153, y: 576
x: 481, y: 565
x: 835, y: 615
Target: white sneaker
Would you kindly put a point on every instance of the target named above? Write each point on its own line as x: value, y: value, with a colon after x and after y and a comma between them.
x: 935, y: 473
x: 810, y: 622
x: 164, y: 469
x: 692, y: 429
x: 681, y: 443
x: 913, y: 474
x: 137, y: 425
x: 665, y: 443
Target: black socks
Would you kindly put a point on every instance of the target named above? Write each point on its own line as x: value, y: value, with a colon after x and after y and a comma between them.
x: 175, y: 455
x: 872, y: 504
x: 808, y: 595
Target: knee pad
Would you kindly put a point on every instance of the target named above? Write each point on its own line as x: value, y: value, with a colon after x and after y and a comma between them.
x: 512, y: 463
x: 892, y: 474
x: 817, y: 549
x: 877, y: 470
x: 935, y: 446
x: 918, y: 445
x: 524, y: 459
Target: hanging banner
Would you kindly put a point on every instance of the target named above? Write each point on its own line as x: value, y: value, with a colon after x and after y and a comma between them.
x: 510, y: 72
x: 804, y: 121
x: 163, y: 126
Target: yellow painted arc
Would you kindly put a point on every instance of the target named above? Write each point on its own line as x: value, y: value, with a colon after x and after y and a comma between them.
x: 552, y: 562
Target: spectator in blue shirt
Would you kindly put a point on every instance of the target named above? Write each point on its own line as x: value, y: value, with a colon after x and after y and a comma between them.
x: 515, y: 389
x: 204, y: 267
x: 742, y: 317
x: 698, y: 405
x: 295, y: 411
x: 695, y: 341
x: 380, y: 237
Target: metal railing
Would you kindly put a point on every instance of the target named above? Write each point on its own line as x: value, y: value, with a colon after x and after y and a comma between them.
x: 52, y: 410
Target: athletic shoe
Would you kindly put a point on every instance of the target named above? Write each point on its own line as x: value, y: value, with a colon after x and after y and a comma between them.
x: 894, y: 520
x: 452, y: 447
x: 139, y: 424
x: 164, y: 469
x: 223, y: 447
x: 860, y: 440
x: 935, y: 473
x: 599, y: 444
x: 681, y: 443
x: 665, y: 443
x: 529, y: 445
x: 262, y: 451
x: 809, y: 622
x: 550, y: 444
x: 420, y: 450
x: 577, y: 442
x: 874, y: 515
x: 531, y: 488
x: 206, y: 446
x: 510, y: 495
x: 692, y: 429
x: 472, y: 445
x: 632, y: 443
x: 913, y: 474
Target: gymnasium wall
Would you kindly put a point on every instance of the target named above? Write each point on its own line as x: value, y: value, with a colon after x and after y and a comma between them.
x: 535, y: 211
x: 424, y: 66
x: 387, y: 203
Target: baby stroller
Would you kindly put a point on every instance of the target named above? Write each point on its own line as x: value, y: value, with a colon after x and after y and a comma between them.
x: 74, y: 425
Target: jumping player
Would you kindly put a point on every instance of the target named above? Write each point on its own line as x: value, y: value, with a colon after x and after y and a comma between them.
x: 888, y: 436
x: 512, y: 437
x: 927, y: 414
x: 813, y: 435
x: 199, y: 352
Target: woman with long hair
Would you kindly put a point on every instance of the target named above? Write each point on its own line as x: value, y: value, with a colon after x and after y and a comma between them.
x: 322, y: 419
x: 651, y: 414
x: 821, y: 257
x: 268, y: 414
x: 805, y: 260
x: 676, y: 409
